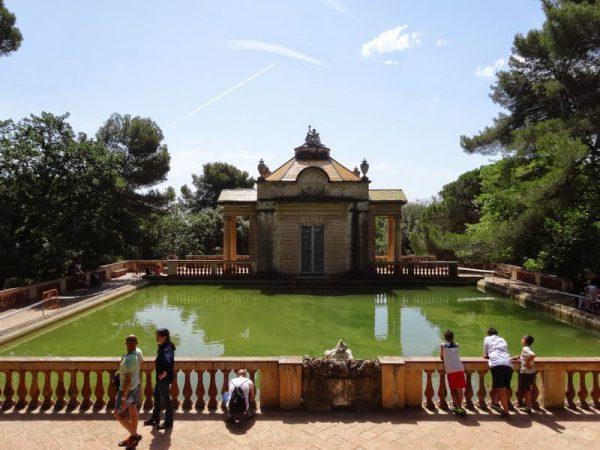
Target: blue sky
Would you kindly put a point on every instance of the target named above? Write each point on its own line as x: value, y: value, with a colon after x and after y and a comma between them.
x: 396, y: 82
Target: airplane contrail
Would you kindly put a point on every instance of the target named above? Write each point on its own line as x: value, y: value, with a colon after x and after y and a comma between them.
x: 221, y: 95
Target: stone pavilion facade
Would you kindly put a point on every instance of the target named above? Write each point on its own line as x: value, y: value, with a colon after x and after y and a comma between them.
x: 313, y: 216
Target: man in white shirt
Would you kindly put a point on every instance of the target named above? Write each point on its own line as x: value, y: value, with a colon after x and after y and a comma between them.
x: 247, y: 387
x: 495, y: 350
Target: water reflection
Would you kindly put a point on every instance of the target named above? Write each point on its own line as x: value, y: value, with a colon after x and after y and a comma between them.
x: 218, y: 321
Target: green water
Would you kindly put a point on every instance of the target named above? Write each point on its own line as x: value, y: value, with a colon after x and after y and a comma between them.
x: 228, y: 321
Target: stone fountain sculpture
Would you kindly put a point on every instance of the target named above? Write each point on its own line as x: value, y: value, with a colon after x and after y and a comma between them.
x: 340, y: 351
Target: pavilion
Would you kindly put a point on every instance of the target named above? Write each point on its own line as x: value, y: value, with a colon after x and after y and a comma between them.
x: 312, y: 216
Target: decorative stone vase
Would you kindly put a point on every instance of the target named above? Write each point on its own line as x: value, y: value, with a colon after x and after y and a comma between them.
x: 364, y: 168
x: 263, y: 170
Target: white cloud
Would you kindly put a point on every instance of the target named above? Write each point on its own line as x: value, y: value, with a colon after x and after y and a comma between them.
x: 442, y: 42
x: 489, y: 71
x: 391, y: 41
x: 336, y: 5
x: 391, y: 62
x: 247, y: 44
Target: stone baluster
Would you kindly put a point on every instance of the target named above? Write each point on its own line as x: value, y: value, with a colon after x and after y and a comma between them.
x: 187, y: 391
x: 570, y: 391
x: 200, y: 403
x: 535, y: 393
x: 429, y: 390
x: 9, y: 391
x: 22, y: 391
x: 469, y: 390
x: 86, y: 391
x: 99, y: 390
x: 175, y: 391
x: 112, y: 390
x: 481, y: 393
x: 73, y: 391
x: 60, y: 390
x: 47, y: 390
x: 509, y: 395
x: 595, y: 389
x: 212, y: 391
x: 582, y: 392
x: 224, y: 386
x: 252, y: 373
x: 442, y: 391
x: 148, y: 390
x: 34, y: 391
x: 520, y: 395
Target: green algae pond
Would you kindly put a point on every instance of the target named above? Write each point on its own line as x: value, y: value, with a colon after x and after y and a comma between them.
x: 208, y: 320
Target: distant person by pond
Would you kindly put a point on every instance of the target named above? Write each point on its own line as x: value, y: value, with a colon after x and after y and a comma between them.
x: 495, y: 350
x: 240, y: 397
x: 590, y: 295
x: 165, y: 368
x: 455, y: 371
x: 527, y: 371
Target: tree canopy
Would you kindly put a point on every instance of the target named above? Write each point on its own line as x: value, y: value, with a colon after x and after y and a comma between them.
x: 10, y: 36
x: 539, y: 204
x: 208, y: 186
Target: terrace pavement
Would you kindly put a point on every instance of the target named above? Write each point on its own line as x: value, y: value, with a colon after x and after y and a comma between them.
x: 308, y: 430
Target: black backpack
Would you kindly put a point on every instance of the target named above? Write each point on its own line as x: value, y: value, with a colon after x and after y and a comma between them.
x: 237, y: 401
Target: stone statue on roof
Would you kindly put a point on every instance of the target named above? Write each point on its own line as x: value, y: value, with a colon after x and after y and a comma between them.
x: 312, y: 138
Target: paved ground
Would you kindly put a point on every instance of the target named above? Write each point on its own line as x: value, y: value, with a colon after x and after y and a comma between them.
x: 303, y: 430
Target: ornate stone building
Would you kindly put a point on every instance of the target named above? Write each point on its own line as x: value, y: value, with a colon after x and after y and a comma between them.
x: 312, y: 216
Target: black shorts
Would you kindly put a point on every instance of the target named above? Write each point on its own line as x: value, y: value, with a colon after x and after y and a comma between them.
x: 501, y: 376
x: 525, y: 381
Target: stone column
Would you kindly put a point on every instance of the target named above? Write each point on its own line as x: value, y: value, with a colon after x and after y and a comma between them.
x: 233, y: 238
x: 398, y: 238
x: 226, y: 237
x: 392, y: 382
x: 265, y: 223
x: 391, y: 243
x: 252, y: 239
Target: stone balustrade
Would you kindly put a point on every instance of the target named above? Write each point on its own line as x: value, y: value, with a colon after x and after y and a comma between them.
x: 85, y: 383
x: 417, y: 270
x: 198, y: 269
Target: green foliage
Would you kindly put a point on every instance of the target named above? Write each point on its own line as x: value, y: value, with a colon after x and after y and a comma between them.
x: 10, y: 36
x: 208, y: 186
x: 538, y: 205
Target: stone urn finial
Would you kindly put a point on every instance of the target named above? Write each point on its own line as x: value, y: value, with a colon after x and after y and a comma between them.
x: 263, y: 169
x: 356, y: 171
x: 364, y: 168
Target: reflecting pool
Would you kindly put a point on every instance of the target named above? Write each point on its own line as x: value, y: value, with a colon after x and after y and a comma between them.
x: 271, y: 321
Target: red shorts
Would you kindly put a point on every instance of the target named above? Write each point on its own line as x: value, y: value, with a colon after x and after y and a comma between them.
x: 457, y: 380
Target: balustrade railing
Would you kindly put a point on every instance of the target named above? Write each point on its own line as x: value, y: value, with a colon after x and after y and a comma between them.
x: 211, y: 269
x: 86, y: 383
x: 417, y: 269
x: 572, y: 382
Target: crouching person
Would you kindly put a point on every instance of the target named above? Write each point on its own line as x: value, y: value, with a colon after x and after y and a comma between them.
x: 240, y: 397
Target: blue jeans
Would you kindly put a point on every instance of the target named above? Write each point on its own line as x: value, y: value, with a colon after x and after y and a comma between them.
x: 162, y: 399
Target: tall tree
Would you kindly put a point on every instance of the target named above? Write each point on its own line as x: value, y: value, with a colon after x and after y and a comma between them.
x: 540, y: 204
x: 59, y: 198
x: 10, y: 36
x: 208, y: 186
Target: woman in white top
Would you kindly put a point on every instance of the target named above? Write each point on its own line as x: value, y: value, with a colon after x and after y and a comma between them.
x: 495, y: 350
